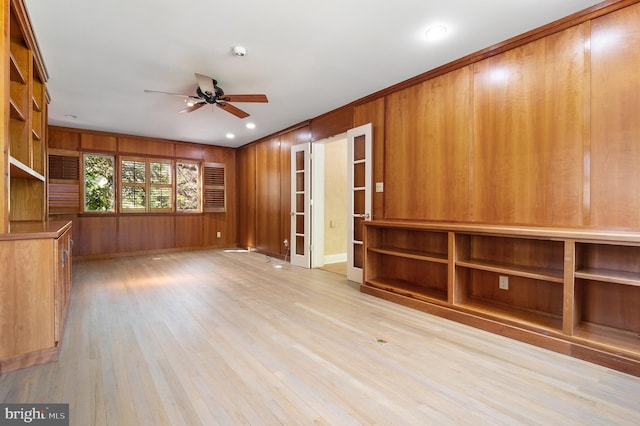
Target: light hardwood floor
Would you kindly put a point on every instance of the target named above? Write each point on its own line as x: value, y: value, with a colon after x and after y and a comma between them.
x: 210, y: 338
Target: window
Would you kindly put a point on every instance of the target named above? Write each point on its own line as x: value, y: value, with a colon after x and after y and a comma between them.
x: 133, y: 191
x: 187, y: 187
x: 99, y: 193
x: 160, y: 186
x: 146, y: 185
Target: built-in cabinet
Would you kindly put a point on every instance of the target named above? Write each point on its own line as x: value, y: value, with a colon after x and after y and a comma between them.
x: 574, y: 291
x: 35, y: 254
x: 36, y: 286
x: 26, y: 109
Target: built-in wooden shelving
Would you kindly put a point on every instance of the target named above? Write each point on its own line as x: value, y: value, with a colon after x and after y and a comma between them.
x: 570, y: 290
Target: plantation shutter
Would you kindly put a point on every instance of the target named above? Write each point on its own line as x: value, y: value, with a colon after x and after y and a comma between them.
x: 64, y: 182
x: 214, y: 191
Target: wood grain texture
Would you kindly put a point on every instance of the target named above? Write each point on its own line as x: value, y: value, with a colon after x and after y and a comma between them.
x: 145, y: 232
x: 189, y: 230
x: 309, y: 349
x: 27, y: 302
x: 527, y: 134
x: 268, y: 207
x: 247, y: 196
x: 427, y: 150
x: 615, y: 100
x: 61, y: 138
x: 98, y: 142
x: 332, y: 123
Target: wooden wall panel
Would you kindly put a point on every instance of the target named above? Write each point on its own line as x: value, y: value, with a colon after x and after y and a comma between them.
x: 374, y: 112
x: 246, y: 175
x: 189, y: 151
x: 95, y: 236
x: 145, y: 233
x: 615, y: 102
x: 528, y: 129
x: 268, y: 215
x: 332, y: 123
x: 225, y: 223
x: 61, y: 138
x: 145, y: 146
x: 98, y: 142
x: 188, y: 230
x: 427, y: 149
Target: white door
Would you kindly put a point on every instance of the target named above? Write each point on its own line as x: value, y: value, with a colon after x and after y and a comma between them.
x: 301, y: 205
x: 359, y: 189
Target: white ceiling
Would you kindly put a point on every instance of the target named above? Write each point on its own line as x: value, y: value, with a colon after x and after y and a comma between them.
x: 308, y: 56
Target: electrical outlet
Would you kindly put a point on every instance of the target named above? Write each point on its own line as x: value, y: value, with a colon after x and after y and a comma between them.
x: 219, y: 234
x: 503, y: 282
x: 379, y: 186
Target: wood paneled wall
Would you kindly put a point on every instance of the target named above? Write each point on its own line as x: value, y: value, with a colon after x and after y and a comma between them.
x: 97, y: 235
x: 264, y: 186
x: 539, y: 130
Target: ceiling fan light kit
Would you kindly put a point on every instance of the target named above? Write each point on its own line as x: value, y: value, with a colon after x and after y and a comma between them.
x: 208, y: 92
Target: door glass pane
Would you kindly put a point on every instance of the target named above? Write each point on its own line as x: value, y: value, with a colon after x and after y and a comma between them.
x: 357, y: 255
x: 300, y: 182
x: 357, y: 228
x: 358, y: 201
x: 300, y: 160
x: 300, y: 203
x: 300, y: 245
x: 299, y: 224
x: 358, y: 148
x: 358, y: 175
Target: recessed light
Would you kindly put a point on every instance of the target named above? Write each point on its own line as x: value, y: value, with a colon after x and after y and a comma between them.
x: 71, y: 116
x: 251, y: 125
x: 436, y: 32
x: 239, y: 50
x: 230, y: 136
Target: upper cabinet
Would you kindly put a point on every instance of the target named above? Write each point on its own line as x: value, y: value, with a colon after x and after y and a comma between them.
x: 26, y: 118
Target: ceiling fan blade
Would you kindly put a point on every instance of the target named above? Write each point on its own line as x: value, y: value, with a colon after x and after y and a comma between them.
x: 245, y: 98
x: 205, y: 83
x: 172, y: 94
x: 233, y: 110
x: 193, y: 107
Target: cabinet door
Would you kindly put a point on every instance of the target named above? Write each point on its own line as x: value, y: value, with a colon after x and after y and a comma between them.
x: 62, y: 285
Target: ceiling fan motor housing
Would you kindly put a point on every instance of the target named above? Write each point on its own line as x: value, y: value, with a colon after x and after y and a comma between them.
x: 213, y: 98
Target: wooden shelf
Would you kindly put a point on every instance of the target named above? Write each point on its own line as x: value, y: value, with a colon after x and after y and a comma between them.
x: 35, y: 135
x: 516, y: 270
x: 408, y: 289
x: 610, y: 337
x: 36, y: 105
x: 15, y: 112
x: 15, y: 71
x: 19, y: 170
x: 411, y: 254
x: 514, y: 315
x: 609, y: 276
x: 589, y: 311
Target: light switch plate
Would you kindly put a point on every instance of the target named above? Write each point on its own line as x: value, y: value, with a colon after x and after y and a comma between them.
x: 379, y: 186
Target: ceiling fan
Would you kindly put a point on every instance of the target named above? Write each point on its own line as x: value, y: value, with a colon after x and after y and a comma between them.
x: 208, y: 92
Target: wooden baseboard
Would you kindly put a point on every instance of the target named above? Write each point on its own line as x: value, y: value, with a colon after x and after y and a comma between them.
x: 31, y: 359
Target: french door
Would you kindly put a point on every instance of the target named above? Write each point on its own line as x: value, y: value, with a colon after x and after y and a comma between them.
x: 359, y: 190
x: 300, y: 244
